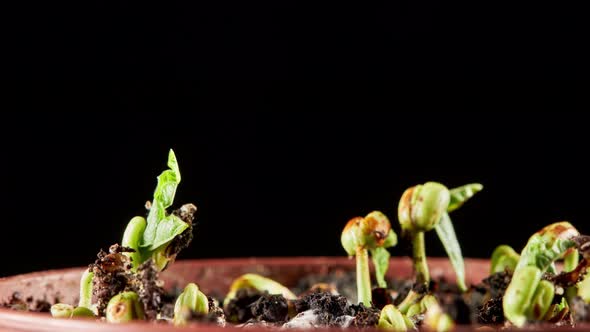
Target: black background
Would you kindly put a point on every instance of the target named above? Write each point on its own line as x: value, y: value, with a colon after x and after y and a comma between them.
x: 277, y: 170
x: 295, y: 39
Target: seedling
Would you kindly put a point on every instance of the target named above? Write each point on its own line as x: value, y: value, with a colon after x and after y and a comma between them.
x: 361, y: 235
x: 259, y: 283
x: 392, y: 319
x: 61, y: 310
x: 424, y: 207
x: 162, y: 235
x: 504, y: 258
x: 527, y: 296
x: 190, y: 301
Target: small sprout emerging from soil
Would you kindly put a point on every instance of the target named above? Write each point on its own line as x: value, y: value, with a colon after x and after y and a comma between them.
x: 82, y: 312
x: 527, y: 297
x: 190, y: 301
x: 86, y: 289
x: 258, y: 283
x: 504, y: 258
x: 410, y: 299
x: 62, y: 310
x: 124, y: 307
x: 391, y: 319
x: 422, y: 306
x: 436, y: 320
x: 361, y: 235
x: 424, y: 207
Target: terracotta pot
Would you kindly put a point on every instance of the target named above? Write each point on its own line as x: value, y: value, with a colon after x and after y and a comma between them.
x: 213, y: 276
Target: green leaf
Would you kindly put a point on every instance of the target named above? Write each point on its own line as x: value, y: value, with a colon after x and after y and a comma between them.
x: 380, y: 258
x: 461, y: 194
x: 162, y: 228
x: 541, y: 253
x: 446, y: 234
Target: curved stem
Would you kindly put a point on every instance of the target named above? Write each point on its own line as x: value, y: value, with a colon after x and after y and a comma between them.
x: 131, y: 238
x: 571, y: 260
x: 363, y: 279
x: 86, y: 289
x: 419, y: 253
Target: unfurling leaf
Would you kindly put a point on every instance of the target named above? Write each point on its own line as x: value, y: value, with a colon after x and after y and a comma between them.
x: 161, y: 227
x: 380, y: 258
x: 446, y: 234
x: 461, y: 194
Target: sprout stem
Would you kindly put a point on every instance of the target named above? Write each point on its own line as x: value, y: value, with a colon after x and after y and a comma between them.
x: 571, y: 260
x: 419, y: 252
x: 132, y: 237
x: 363, y: 283
x: 86, y: 289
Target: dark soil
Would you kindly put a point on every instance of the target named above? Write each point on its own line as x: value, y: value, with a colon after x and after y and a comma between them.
x: 238, y: 310
x: 329, y: 306
x: 332, y: 308
x: 149, y: 288
x: 365, y: 317
x: 215, y: 315
x: 343, y: 281
x: 491, y: 311
x: 382, y: 297
x: 216, y: 312
x: 185, y: 213
x: 270, y: 308
x: 112, y: 275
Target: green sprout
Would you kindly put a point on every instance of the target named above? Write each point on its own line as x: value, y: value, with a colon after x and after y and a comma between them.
x: 571, y: 259
x: 422, y: 306
x: 190, y: 301
x: 391, y: 319
x: 124, y: 307
x: 435, y: 319
x: 361, y: 235
x: 424, y: 207
x: 259, y: 283
x: 84, y: 309
x: 527, y: 296
x: 132, y: 239
x: 155, y: 237
x: 62, y: 310
x: 504, y: 258
x: 86, y: 289
x: 410, y: 299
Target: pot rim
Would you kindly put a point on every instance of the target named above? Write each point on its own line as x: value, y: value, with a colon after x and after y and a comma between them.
x: 12, y: 319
